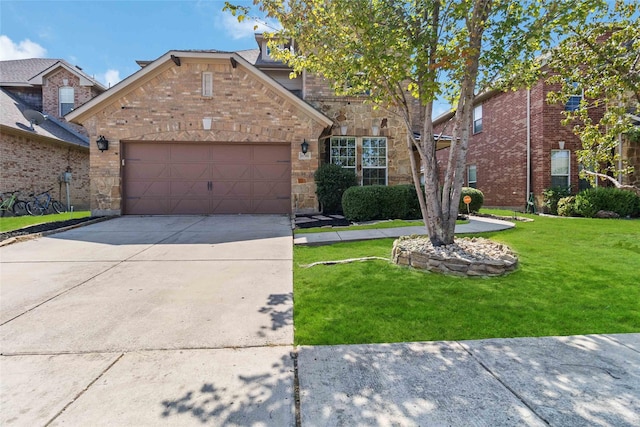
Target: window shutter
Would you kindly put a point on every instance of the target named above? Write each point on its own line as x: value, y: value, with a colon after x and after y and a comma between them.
x: 207, y: 84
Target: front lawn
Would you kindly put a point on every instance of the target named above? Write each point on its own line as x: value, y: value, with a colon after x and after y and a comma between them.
x: 576, y: 276
x: 10, y: 223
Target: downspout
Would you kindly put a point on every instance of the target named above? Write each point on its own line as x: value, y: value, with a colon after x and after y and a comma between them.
x: 528, y: 146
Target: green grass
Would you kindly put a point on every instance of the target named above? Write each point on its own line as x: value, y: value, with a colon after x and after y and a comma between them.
x: 396, y: 223
x: 16, y: 222
x: 576, y: 276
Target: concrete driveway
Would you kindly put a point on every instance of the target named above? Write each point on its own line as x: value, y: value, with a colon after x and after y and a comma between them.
x: 148, y: 320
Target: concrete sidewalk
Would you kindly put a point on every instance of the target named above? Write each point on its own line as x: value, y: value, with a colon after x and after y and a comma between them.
x: 551, y: 381
x: 476, y: 224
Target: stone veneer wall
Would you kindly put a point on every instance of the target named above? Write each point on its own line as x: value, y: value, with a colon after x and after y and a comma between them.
x: 35, y: 165
x: 166, y: 105
x: 359, y: 116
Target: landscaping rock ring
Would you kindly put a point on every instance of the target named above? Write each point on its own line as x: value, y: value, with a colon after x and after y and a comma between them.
x: 465, y: 257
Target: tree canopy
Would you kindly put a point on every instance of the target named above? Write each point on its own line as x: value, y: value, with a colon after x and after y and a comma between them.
x: 601, y: 59
x: 408, y: 53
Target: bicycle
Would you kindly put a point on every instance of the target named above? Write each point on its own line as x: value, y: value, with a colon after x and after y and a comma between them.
x: 42, y: 202
x: 12, y: 203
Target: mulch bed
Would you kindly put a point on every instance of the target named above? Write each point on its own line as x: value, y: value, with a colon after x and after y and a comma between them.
x: 48, y: 226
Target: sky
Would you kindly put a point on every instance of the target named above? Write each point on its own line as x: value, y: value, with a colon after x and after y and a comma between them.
x: 106, y: 37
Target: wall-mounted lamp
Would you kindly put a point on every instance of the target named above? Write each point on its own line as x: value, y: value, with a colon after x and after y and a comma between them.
x: 206, y: 123
x: 561, y: 145
x: 304, y: 146
x: 375, y: 130
x: 102, y: 143
x: 343, y: 129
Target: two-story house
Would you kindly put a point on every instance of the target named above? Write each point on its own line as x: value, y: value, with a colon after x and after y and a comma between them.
x: 207, y: 132
x: 519, y: 147
x: 37, y: 145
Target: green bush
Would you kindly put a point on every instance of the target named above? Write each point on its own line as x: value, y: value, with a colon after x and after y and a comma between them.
x: 477, y: 200
x: 567, y: 206
x: 331, y: 183
x: 552, y: 196
x: 380, y: 202
x: 592, y: 200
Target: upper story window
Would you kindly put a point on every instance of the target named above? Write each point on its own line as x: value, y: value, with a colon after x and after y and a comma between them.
x: 267, y: 50
x: 574, y: 100
x: 66, y: 97
x: 207, y: 84
x: 477, y: 119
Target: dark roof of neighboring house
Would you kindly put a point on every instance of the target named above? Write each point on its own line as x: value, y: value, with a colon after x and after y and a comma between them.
x: 20, y: 72
x: 11, y: 116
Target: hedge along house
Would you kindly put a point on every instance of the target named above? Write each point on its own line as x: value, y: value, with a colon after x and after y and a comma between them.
x: 208, y: 132
x: 201, y: 132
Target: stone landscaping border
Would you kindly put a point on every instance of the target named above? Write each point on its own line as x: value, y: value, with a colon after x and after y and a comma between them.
x: 465, y: 257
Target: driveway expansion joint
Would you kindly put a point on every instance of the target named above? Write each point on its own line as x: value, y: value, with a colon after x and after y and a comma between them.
x: 83, y: 391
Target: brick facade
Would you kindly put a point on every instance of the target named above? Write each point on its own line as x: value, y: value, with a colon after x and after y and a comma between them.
x: 166, y: 105
x: 499, y: 151
x: 47, y: 159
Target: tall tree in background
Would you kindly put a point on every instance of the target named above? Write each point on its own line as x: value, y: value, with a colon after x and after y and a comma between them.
x: 422, y: 49
x: 602, y: 60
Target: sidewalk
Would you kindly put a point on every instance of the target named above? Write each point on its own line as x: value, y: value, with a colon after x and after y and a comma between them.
x: 476, y: 224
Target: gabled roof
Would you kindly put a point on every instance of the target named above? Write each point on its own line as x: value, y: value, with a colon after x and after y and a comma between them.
x: 119, y: 89
x: 12, y: 119
x: 29, y: 72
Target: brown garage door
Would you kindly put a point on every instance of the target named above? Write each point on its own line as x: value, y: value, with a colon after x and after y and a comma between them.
x: 183, y: 178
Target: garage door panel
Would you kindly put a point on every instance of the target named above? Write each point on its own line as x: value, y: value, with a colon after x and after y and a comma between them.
x: 271, y: 172
x: 190, y: 153
x: 190, y: 171
x: 185, y: 178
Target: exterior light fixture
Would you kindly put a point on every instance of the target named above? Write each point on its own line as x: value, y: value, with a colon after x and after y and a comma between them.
x: 343, y: 129
x: 375, y: 130
x: 102, y: 143
x: 304, y: 146
x: 206, y: 123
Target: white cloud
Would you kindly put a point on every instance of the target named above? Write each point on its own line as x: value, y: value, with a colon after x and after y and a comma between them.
x: 109, y: 78
x: 22, y: 50
x: 247, y: 28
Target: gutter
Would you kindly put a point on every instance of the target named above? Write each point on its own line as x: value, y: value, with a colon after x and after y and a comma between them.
x: 528, y: 146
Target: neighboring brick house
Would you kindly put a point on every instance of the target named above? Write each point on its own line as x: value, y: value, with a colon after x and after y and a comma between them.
x: 207, y: 132
x: 33, y: 156
x: 519, y: 146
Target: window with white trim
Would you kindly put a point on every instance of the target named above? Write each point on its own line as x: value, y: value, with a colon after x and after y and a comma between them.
x: 207, y: 84
x: 342, y: 152
x: 472, y: 176
x: 560, y: 167
x: 66, y: 99
x: 374, y: 161
x: 573, y: 103
x: 477, y: 119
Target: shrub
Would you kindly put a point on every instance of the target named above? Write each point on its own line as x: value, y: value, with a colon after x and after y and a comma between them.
x: 477, y: 200
x: 380, y: 202
x: 552, y: 196
x: 331, y: 183
x: 567, y: 206
x: 592, y: 200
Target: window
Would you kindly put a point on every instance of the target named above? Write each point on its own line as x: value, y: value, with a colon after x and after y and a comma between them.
x: 477, y: 119
x: 560, y: 167
x: 207, y: 84
x: 66, y: 97
x: 574, y: 100
x: 374, y: 161
x: 472, y: 180
x: 343, y: 152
